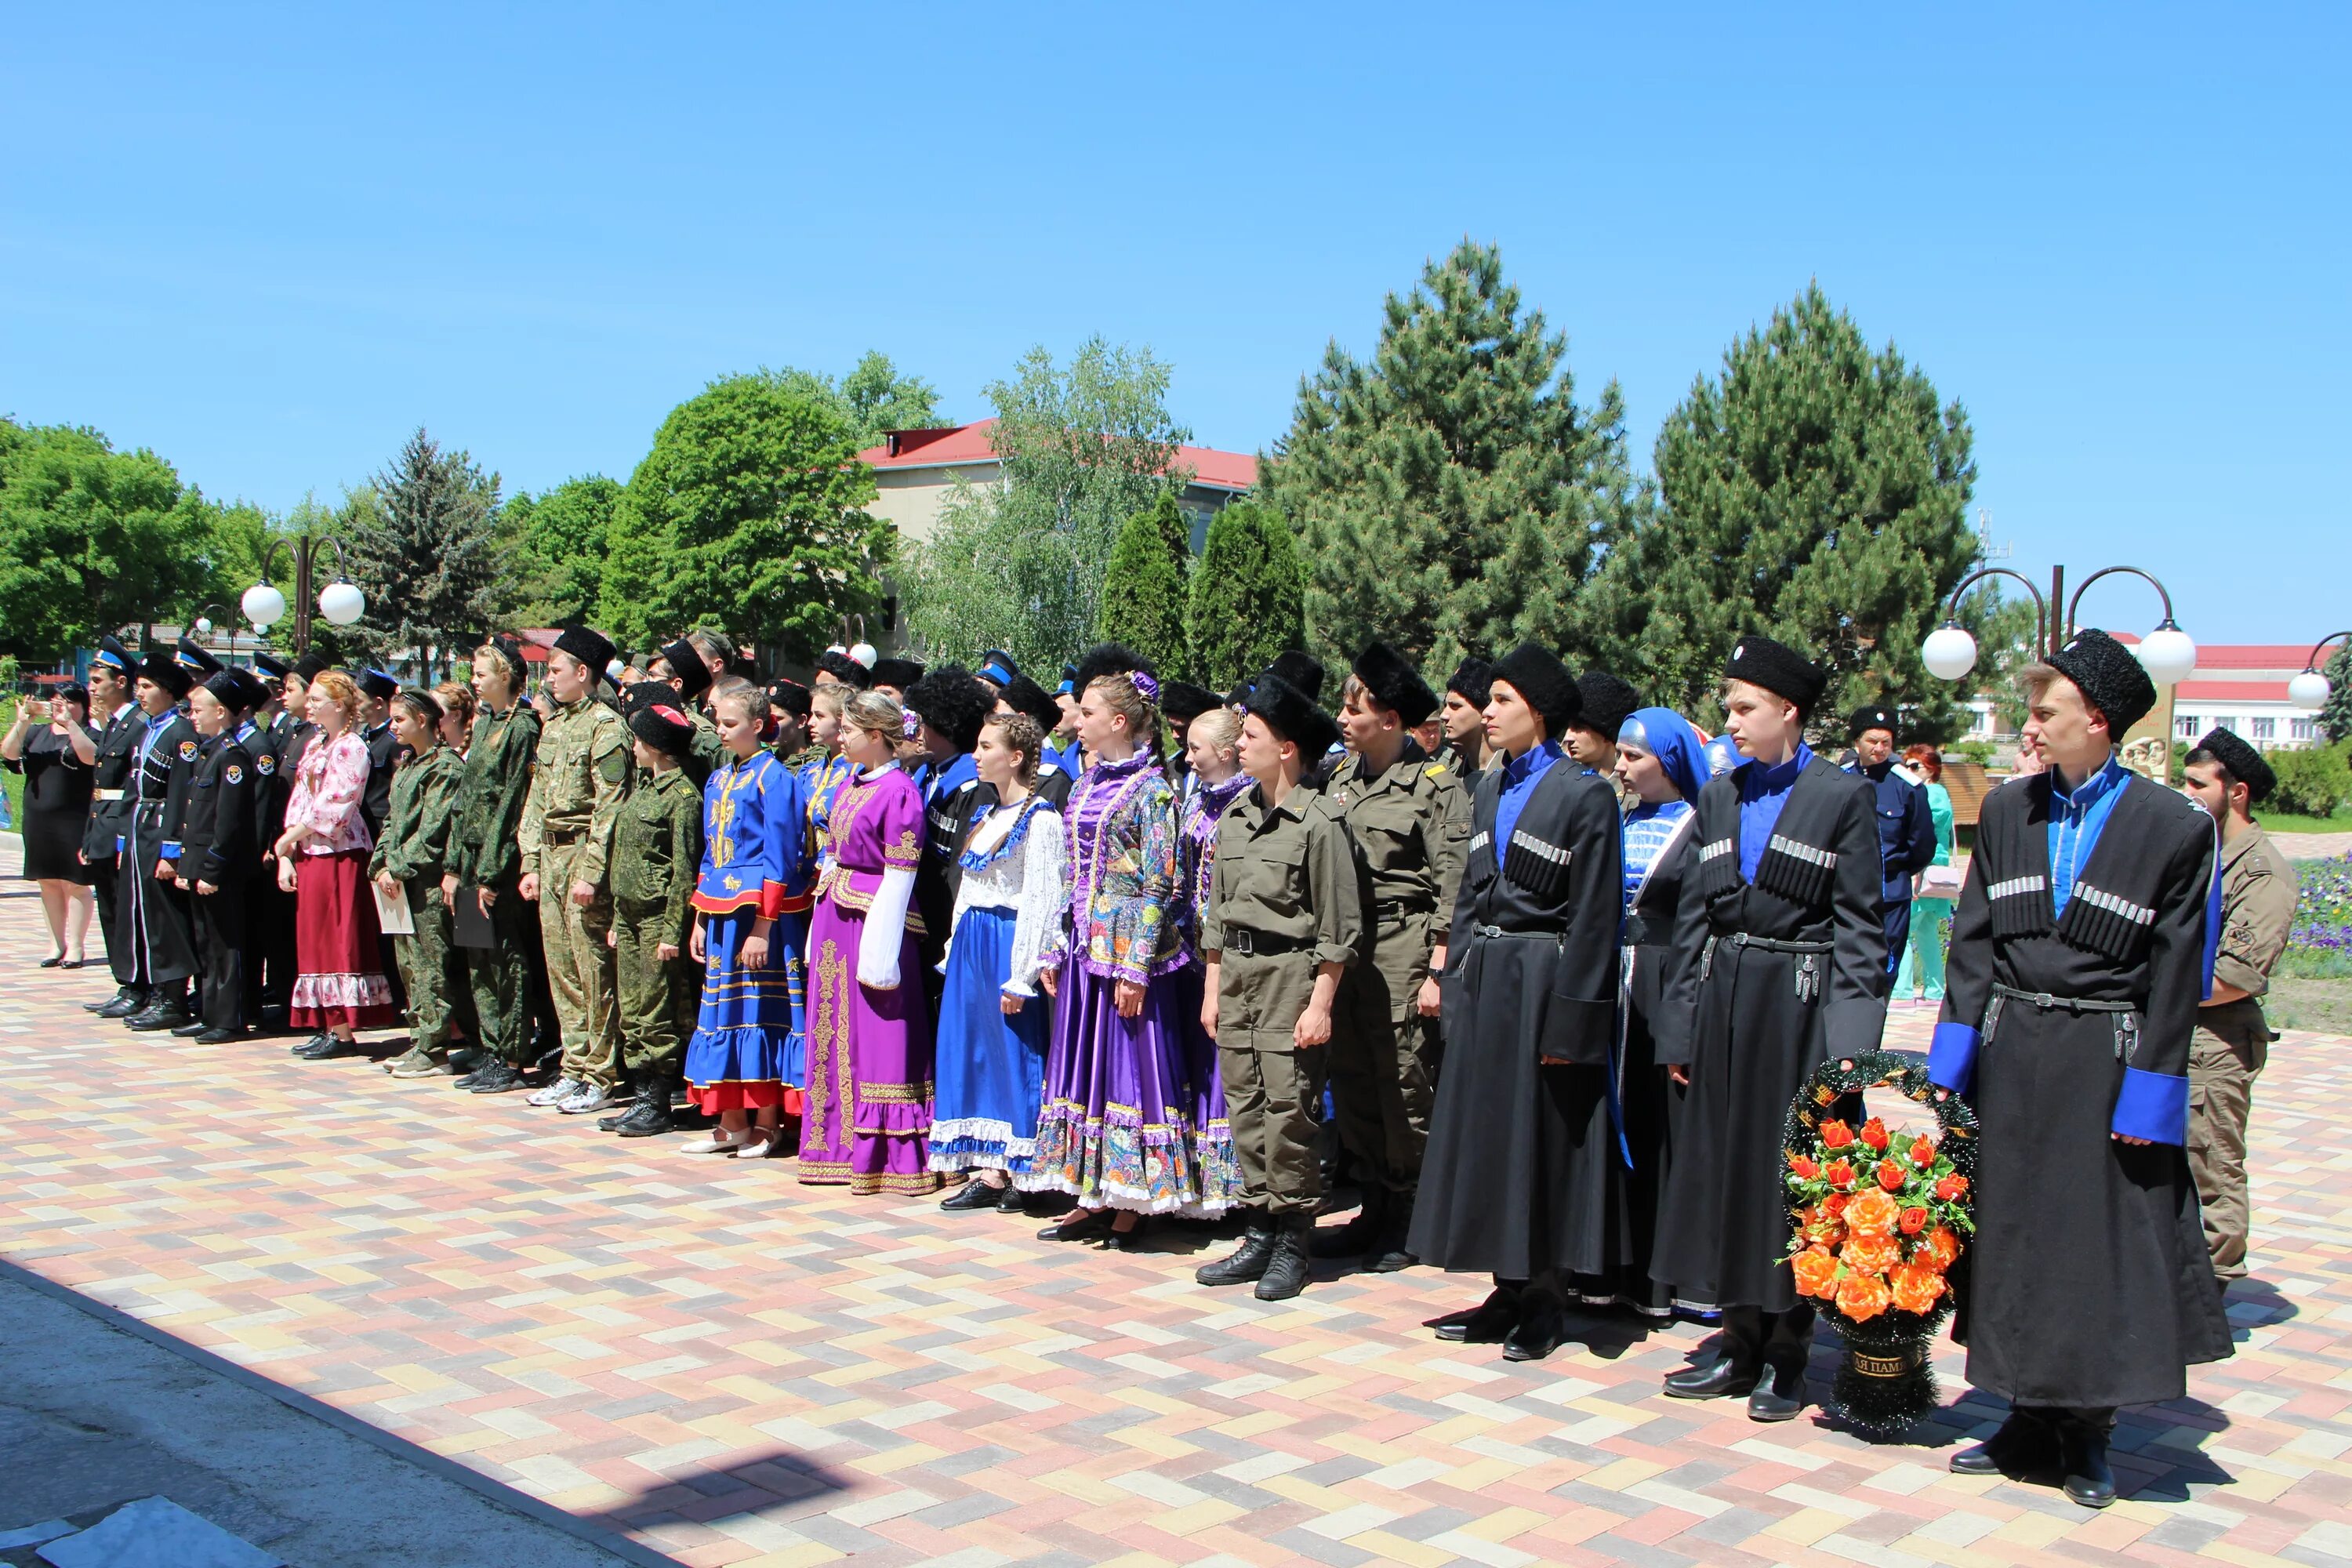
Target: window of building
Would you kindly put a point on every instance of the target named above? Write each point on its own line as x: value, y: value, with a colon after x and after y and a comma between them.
x: 2188, y: 726
x: 2264, y: 730
x: 2303, y: 729
x: 2226, y: 722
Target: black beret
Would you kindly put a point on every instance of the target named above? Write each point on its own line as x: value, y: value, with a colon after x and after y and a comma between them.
x: 1301, y: 671
x: 901, y: 673
x: 272, y: 665
x: 1875, y: 718
x: 376, y: 684
x: 685, y: 666
x: 1395, y: 684
x: 2109, y: 678
x: 789, y: 697
x: 997, y: 668
x: 1539, y: 677
x: 2244, y: 763
x: 1292, y: 714
x: 310, y: 667
x: 193, y: 658
x: 159, y: 667
x: 424, y: 701
x: 663, y: 727
x: 590, y: 646
x: 234, y: 689
x: 113, y: 653
x: 842, y: 669
x: 952, y: 703
x: 1777, y: 669
x: 1607, y: 702
x: 1473, y: 678
x: 1182, y: 702
x: 1106, y: 658
x: 1025, y: 696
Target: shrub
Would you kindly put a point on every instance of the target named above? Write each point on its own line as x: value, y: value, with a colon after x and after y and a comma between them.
x: 2312, y: 782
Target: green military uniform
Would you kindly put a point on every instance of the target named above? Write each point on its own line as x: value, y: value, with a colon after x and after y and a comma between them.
x: 1411, y: 825
x: 566, y: 837
x: 656, y: 853
x: 2233, y: 1039
x: 1283, y: 899
x: 414, y: 848
x: 492, y: 789
x: 710, y: 752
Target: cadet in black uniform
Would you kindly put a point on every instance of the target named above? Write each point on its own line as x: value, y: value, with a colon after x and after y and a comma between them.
x: 121, y: 726
x: 218, y: 857
x: 155, y: 909
x: 1907, y: 833
x: 265, y: 735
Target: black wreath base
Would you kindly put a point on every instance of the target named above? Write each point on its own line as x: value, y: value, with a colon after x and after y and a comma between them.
x: 1886, y: 1381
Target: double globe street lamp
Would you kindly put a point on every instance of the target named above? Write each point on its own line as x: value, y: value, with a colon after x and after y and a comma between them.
x: 2167, y: 653
x: 339, y: 603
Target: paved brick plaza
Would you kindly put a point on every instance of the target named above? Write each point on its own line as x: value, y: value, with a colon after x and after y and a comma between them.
x: 736, y: 1370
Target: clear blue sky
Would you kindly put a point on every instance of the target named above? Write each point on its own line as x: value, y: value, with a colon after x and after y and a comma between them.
x: 267, y: 243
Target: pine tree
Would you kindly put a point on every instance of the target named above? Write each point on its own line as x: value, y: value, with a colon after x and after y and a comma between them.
x: 1816, y: 493
x: 2335, y: 719
x: 1451, y: 494
x: 1143, y: 591
x: 1248, y: 599
x: 424, y: 541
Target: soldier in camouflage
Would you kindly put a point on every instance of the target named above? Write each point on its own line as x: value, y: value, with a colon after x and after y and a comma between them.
x: 482, y: 882
x: 410, y: 859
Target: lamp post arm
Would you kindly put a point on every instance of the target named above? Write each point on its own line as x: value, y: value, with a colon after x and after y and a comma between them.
x: 269, y: 556
x: 2075, y: 603
x: 2311, y: 665
x: 2040, y: 605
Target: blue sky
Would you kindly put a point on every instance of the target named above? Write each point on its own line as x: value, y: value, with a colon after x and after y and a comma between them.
x: 267, y: 243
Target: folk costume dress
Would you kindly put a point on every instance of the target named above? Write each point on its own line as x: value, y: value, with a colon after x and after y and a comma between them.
x: 1118, y: 1127
x: 749, y: 1046
x: 868, y: 1114
x: 1212, y: 1137
x: 1523, y: 1173
x: 1778, y: 961
x: 1006, y: 928
x: 337, y: 944
x: 2079, y: 955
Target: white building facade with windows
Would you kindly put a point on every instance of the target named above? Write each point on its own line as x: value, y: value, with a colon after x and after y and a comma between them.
x: 2242, y: 688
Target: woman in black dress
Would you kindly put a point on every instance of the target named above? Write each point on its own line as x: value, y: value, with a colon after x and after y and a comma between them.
x: 41, y: 744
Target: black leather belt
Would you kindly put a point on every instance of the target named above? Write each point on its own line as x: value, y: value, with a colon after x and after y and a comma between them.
x: 1639, y: 931
x: 1247, y: 943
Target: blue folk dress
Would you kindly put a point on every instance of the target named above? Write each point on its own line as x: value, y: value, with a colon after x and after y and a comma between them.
x: 749, y: 1045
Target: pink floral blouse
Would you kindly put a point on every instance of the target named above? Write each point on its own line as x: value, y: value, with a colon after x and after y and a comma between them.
x: 327, y: 792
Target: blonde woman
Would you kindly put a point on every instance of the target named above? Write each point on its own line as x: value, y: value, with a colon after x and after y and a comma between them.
x: 338, y: 985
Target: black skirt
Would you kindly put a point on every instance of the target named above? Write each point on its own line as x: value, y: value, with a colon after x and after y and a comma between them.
x: 56, y: 809
x: 1653, y: 1110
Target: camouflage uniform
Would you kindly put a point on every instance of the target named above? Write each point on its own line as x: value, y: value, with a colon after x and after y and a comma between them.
x: 2232, y: 1040
x: 656, y: 855
x: 484, y: 855
x: 414, y: 847
x: 582, y: 776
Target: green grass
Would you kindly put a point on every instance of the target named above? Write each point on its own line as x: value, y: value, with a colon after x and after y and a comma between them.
x: 2280, y: 822
x: 13, y: 783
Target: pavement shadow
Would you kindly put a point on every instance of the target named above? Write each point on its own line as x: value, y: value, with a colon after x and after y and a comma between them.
x: 781, y: 1484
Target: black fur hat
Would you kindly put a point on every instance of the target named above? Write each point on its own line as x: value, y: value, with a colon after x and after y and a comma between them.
x: 236, y: 691
x: 663, y: 727
x: 1395, y: 684
x: 1607, y: 702
x: 789, y: 697
x: 1474, y: 678
x: 1025, y: 696
x: 905, y: 674
x: 952, y: 701
x: 2244, y: 763
x: 844, y: 669
x: 1301, y: 671
x: 1537, y: 675
x: 1182, y: 702
x: 684, y: 661
x: 1874, y: 717
x: 160, y: 667
x: 1292, y: 714
x: 590, y: 646
x: 1777, y: 669
x: 1106, y: 658
x: 2109, y: 676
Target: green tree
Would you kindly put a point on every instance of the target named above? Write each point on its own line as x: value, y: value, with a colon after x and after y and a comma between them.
x: 92, y: 539
x: 873, y: 399
x: 1814, y: 491
x: 1249, y: 595
x: 1143, y: 598
x: 1019, y: 564
x: 424, y: 543
x: 561, y: 537
x: 2335, y: 719
x: 1450, y: 492
x: 749, y: 514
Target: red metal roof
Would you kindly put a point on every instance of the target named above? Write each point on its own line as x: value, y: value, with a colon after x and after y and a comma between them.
x: 971, y: 444
x: 2252, y: 656
x: 2224, y: 691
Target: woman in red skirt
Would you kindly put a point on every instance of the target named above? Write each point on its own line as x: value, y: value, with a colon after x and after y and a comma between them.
x: 338, y: 984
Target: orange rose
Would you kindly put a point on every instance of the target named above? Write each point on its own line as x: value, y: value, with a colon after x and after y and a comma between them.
x: 1806, y: 1169
x: 1820, y: 1228
x: 1941, y: 1250
x: 1840, y: 1174
x: 1914, y: 1221
x: 1872, y: 1214
x: 1836, y: 1135
x: 1923, y: 1152
x: 1874, y: 1132
x: 1952, y: 1186
x: 1816, y: 1272
x: 1870, y: 1254
x: 1834, y: 1205
x: 1915, y: 1288
x: 1862, y: 1297
x: 1891, y: 1175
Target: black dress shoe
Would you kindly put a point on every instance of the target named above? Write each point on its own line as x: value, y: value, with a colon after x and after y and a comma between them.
x: 1245, y: 1264
x: 326, y: 1047
x: 1543, y: 1323
x: 1722, y: 1379
x: 155, y: 1020
x: 121, y: 994
x: 1489, y: 1322
x: 974, y: 1193
x: 1009, y: 1199
x: 1780, y: 1397
x: 50, y: 962
x: 2025, y: 1446
x: 1097, y: 1224
x: 218, y: 1036
x: 2082, y: 1454
x: 310, y: 1045
x: 126, y: 1003
x: 496, y: 1078
x: 190, y: 1031
x: 1388, y: 1252
x: 1131, y: 1238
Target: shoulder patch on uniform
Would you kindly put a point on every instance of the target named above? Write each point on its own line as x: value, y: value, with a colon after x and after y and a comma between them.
x: 233, y: 773
x: 1436, y: 770
x: 264, y: 764
x: 187, y: 751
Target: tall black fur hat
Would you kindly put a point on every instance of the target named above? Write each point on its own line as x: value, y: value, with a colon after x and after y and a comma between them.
x: 663, y: 727
x: 1875, y: 716
x: 904, y: 674
x: 1607, y: 702
x: 1474, y: 678
x: 2109, y: 676
x: 1777, y: 669
x: 160, y: 667
x: 1025, y: 696
x: 1292, y: 714
x: 1182, y: 702
x: 1536, y: 674
x: 952, y: 701
x: 590, y: 646
x: 2244, y: 763
x: 1393, y: 683
x: 684, y: 661
x: 844, y: 669
x: 1106, y: 658
x: 1302, y: 670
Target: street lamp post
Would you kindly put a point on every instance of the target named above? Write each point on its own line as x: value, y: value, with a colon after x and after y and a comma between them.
x: 2311, y: 689
x: 340, y: 602
x: 2167, y: 653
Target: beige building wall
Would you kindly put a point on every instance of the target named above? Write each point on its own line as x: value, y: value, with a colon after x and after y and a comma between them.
x: 912, y: 498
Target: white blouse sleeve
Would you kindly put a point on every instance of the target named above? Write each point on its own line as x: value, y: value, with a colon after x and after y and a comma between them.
x: 1044, y: 891
x: 884, y: 930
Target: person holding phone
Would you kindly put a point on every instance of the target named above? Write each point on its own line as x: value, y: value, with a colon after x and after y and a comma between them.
x: 39, y: 745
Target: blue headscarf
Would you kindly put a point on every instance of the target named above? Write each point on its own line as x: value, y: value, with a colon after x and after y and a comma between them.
x: 1722, y: 756
x: 1668, y: 736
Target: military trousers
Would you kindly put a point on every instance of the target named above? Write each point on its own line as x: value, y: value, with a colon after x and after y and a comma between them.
x: 1382, y: 1085
x: 119, y: 954
x: 579, y: 969
x: 1273, y: 1093
x: 2226, y: 1054
x: 218, y: 921
x: 423, y: 959
x: 656, y: 996
x: 498, y: 975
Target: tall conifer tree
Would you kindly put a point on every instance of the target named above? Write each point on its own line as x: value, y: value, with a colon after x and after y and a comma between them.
x: 1143, y: 591
x: 424, y: 540
x: 1248, y: 598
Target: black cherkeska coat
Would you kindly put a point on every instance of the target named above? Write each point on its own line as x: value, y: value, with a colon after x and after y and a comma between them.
x: 1752, y: 1023
x: 109, y: 822
x: 156, y: 912
x: 2088, y: 1284
x: 1522, y: 1171
x: 1651, y: 1107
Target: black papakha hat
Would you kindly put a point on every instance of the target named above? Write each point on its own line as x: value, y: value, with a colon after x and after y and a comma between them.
x: 1106, y: 658
x: 839, y: 666
x: 310, y: 667
x: 663, y: 727
x: 1292, y: 714
x: 1608, y: 703
x: 1777, y: 669
x: 901, y: 673
x: 2109, y: 676
x: 1393, y: 683
x: 1301, y: 669
x: 2243, y: 764
x: 686, y: 666
x: 590, y: 646
x: 1473, y: 678
x: 1537, y: 675
x: 789, y: 697
x: 952, y: 701
x: 234, y: 689
x: 159, y: 667
x: 1025, y: 696
x: 1866, y: 720
x: 1182, y: 702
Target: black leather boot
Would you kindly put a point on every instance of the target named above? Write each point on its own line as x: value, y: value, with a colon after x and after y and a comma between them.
x: 163, y: 1012
x: 2026, y: 1445
x: 1489, y: 1322
x: 1543, y: 1323
x: 1354, y: 1239
x: 2082, y: 1454
x: 1779, y: 1394
x: 1246, y: 1262
x: 1388, y: 1253
x: 1286, y: 1266
x: 650, y: 1117
x: 632, y: 1086
x: 126, y: 1003
x: 1727, y: 1377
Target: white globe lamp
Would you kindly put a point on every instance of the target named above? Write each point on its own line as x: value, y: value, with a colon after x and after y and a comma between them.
x: 1949, y: 652
x: 263, y: 605
x: 2168, y: 655
x: 342, y: 604
x: 203, y: 626
x: 2308, y: 691
x: 863, y: 653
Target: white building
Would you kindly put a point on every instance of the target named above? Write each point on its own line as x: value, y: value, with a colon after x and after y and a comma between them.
x: 2242, y: 688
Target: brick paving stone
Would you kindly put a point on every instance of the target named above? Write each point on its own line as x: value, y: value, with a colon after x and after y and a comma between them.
x: 734, y: 1368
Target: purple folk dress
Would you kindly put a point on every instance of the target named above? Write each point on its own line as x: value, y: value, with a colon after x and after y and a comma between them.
x: 1221, y: 1172
x: 867, y: 1119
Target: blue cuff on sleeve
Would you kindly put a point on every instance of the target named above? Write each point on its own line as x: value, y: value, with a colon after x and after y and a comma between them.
x: 169, y: 852
x: 120, y: 844
x: 2152, y: 1105
x: 1952, y: 1058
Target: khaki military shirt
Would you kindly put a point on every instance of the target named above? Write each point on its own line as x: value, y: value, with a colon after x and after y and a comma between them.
x: 493, y: 791
x: 583, y: 775
x: 1285, y: 887
x: 657, y: 849
x: 1411, y: 825
x: 2258, y: 897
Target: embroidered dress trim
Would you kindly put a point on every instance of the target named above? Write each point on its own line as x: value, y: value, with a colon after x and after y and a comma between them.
x: 341, y: 991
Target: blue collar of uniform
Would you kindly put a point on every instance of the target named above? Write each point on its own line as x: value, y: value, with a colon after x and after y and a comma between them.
x: 2089, y: 793
x: 1531, y: 761
x: 245, y: 729
x: 157, y: 720
x: 1756, y: 779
